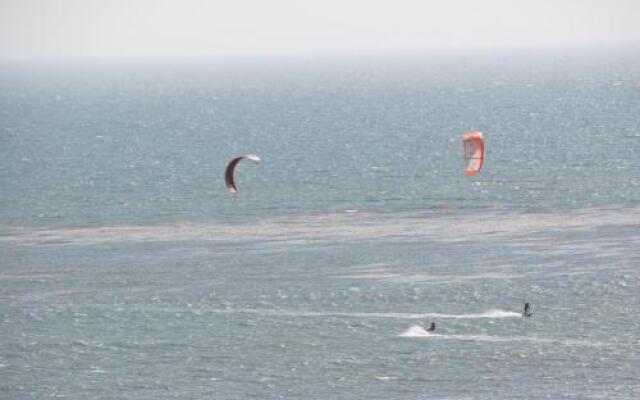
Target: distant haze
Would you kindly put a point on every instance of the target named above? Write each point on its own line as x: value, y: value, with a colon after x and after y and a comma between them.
x: 197, y: 28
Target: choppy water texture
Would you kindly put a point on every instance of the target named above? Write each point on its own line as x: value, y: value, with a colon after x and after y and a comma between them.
x: 128, y: 271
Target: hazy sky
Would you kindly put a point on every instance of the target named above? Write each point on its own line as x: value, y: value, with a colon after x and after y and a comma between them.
x: 141, y: 28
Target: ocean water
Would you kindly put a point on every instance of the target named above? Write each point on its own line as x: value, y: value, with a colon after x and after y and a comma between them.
x: 128, y: 271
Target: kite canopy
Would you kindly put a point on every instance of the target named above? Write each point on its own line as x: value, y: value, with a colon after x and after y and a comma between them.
x: 473, y: 145
x: 229, y: 174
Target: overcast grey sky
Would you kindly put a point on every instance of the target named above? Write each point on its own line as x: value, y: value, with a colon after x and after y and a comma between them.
x: 178, y: 28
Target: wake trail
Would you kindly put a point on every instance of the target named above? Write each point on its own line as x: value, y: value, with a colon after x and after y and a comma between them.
x: 493, y: 313
x: 417, y: 331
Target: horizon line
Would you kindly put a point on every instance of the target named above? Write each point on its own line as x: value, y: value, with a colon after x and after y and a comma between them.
x: 601, y: 46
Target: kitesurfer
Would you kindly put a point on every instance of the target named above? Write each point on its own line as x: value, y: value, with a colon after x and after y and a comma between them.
x: 432, y: 327
x: 527, y: 310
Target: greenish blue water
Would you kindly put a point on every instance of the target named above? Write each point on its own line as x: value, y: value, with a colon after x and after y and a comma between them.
x: 128, y: 271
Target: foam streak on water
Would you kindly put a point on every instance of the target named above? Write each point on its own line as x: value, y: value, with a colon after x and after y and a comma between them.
x: 304, y: 230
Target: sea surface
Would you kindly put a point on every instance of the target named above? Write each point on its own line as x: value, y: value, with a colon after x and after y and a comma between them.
x: 128, y: 271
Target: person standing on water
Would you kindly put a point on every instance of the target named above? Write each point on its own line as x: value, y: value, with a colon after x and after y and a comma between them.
x: 432, y: 327
x: 527, y: 309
